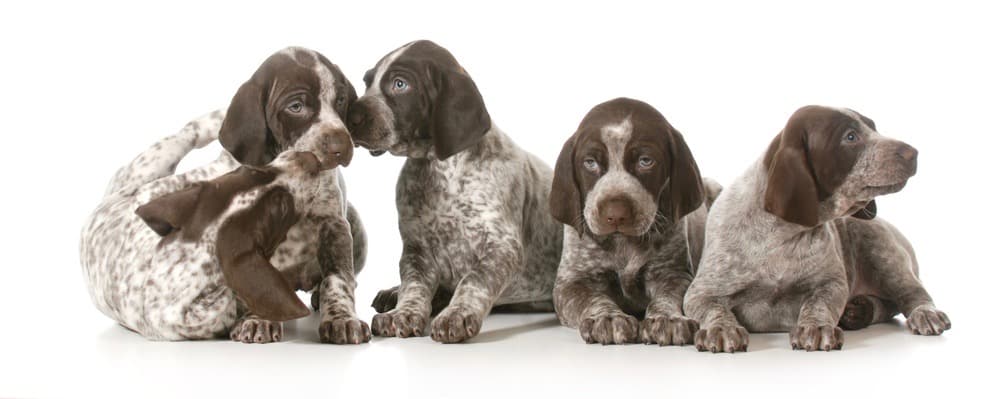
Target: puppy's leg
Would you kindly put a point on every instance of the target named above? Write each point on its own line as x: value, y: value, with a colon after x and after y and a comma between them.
x: 664, y: 322
x: 898, y: 282
x: 162, y: 158
x: 412, y: 312
x: 251, y: 329
x: 339, y: 323
x: 477, y: 291
x: 817, y: 322
x: 709, y: 302
x: 586, y: 298
x: 386, y: 300
x: 225, y: 163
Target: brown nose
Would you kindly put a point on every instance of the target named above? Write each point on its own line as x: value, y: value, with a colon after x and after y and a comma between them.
x: 617, y: 211
x: 907, y: 152
x: 358, y: 116
x: 340, y: 147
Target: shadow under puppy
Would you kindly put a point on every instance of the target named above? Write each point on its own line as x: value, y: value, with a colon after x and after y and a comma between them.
x: 793, y: 245
x: 225, y: 251
x: 631, y: 196
x: 472, y: 216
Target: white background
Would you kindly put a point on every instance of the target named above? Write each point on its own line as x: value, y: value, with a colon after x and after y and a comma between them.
x: 85, y: 87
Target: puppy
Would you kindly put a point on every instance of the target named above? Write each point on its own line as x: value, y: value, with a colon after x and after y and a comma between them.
x: 223, y: 256
x: 793, y: 245
x: 471, y: 203
x: 631, y: 196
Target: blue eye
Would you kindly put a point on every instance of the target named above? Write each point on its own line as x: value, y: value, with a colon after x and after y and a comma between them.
x: 296, y: 107
x: 591, y: 164
x: 399, y: 85
x: 646, y: 162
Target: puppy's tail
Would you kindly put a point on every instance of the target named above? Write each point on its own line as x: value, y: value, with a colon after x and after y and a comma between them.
x: 162, y: 158
x: 711, y: 191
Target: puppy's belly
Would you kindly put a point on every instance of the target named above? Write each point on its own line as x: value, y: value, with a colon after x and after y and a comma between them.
x: 766, y: 316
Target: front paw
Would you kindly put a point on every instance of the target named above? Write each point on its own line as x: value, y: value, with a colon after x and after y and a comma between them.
x: 811, y: 337
x: 344, y: 331
x: 455, y: 324
x: 617, y: 328
x: 927, y: 320
x: 668, y: 330
x: 256, y: 331
x: 399, y: 323
x: 722, y: 338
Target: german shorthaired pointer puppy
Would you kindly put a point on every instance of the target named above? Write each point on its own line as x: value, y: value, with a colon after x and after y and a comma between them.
x: 630, y: 194
x: 471, y: 203
x: 782, y: 252
x: 222, y: 252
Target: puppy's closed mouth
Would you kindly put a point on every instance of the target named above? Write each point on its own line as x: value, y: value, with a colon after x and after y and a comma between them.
x: 376, y: 153
x: 890, y: 188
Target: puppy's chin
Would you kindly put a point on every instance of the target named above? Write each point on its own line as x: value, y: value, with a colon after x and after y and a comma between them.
x: 633, y: 230
x: 376, y: 153
x: 879, y: 189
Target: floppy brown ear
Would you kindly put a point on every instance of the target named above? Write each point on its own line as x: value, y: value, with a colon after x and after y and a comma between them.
x: 792, y: 193
x: 245, y: 243
x: 565, y: 201
x: 167, y: 213
x: 684, y: 192
x: 458, y: 116
x: 868, y: 212
x: 244, y: 131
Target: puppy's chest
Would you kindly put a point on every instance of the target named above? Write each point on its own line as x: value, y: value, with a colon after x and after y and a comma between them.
x: 448, y: 197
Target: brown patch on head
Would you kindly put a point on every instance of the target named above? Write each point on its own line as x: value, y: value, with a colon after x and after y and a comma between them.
x: 649, y: 150
x: 810, y: 159
x: 429, y: 96
x: 186, y: 213
x: 279, y: 103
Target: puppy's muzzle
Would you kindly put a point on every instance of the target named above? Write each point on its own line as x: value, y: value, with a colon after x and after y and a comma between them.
x: 335, y: 148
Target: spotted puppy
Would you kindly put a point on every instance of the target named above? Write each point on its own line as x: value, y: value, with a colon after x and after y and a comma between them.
x: 208, y: 253
x: 630, y: 194
x: 471, y: 203
x: 793, y: 245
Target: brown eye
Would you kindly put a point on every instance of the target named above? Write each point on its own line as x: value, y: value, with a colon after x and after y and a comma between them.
x: 645, y: 162
x: 591, y: 165
x: 296, y: 107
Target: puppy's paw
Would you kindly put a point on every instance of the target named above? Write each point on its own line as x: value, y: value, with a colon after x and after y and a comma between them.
x: 399, y: 323
x: 812, y: 337
x: 385, y: 300
x: 722, y: 338
x: 344, y: 331
x: 927, y: 320
x: 859, y: 313
x: 455, y: 324
x: 256, y: 331
x: 668, y: 330
x: 607, y: 329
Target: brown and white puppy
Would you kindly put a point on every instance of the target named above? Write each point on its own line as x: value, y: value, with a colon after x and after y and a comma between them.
x: 793, y: 245
x: 225, y: 251
x: 631, y: 196
x: 471, y: 203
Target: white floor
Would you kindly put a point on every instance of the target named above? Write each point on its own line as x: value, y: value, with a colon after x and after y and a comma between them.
x: 515, y: 355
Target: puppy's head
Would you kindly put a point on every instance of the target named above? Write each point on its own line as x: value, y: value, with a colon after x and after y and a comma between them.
x: 623, y: 170
x: 419, y: 103
x: 295, y: 100
x: 830, y: 163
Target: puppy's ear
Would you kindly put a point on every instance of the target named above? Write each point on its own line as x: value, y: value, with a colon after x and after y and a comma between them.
x: 684, y: 192
x: 792, y: 193
x: 458, y: 115
x: 245, y: 243
x: 868, y: 212
x: 169, y: 212
x: 244, y: 131
x: 565, y: 201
